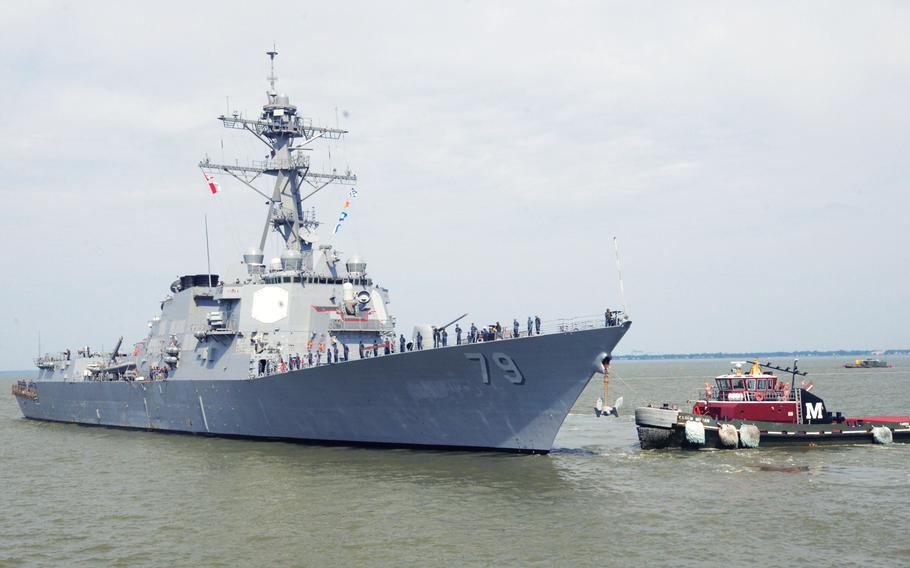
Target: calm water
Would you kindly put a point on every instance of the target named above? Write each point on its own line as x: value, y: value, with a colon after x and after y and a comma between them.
x: 80, y: 496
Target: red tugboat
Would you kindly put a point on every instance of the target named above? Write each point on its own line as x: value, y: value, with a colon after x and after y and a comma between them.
x: 748, y: 410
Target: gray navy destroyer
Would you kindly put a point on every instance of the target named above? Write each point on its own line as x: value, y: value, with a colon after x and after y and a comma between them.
x: 305, y: 348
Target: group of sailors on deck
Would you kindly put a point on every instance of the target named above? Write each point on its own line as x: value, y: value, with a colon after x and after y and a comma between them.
x: 335, y: 351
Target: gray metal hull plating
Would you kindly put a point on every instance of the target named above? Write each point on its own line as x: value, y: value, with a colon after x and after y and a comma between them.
x: 435, y: 398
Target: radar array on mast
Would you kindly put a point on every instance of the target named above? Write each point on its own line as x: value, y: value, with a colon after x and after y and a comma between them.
x: 278, y: 127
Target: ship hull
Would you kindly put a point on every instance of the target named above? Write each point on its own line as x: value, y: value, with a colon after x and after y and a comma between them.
x: 510, y: 395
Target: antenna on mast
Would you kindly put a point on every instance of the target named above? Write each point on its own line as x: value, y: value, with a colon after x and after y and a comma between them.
x: 208, y: 258
x: 278, y: 126
x: 622, y: 291
x: 272, y: 78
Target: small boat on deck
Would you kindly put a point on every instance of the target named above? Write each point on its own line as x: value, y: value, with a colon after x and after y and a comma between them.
x: 748, y: 410
x: 867, y: 364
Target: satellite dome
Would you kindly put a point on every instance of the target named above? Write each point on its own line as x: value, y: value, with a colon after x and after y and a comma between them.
x: 275, y: 263
x: 283, y: 100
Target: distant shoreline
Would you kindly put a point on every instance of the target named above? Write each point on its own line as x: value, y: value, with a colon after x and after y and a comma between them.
x: 760, y: 354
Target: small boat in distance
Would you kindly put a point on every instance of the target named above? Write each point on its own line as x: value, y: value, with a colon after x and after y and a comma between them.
x: 867, y: 363
x: 745, y: 410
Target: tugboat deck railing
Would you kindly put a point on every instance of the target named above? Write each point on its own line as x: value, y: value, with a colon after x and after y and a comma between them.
x: 747, y: 396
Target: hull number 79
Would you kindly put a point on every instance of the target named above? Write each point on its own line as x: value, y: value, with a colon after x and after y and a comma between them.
x: 503, y: 362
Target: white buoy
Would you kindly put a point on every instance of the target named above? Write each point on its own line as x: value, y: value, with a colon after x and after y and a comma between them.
x: 749, y: 435
x: 695, y: 432
x: 882, y: 435
x: 729, y: 437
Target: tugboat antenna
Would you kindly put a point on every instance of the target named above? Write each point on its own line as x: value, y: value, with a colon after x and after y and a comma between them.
x: 794, y: 371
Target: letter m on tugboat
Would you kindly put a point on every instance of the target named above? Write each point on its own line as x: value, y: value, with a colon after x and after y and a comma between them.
x: 814, y: 410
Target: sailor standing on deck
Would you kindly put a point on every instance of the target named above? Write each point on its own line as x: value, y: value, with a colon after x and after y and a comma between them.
x: 515, y: 327
x: 530, y: 326
x: 537, y: 324
x: 444, y: 335
x: 345, y: 346
x: 435, y: 338
x: 403, y: 342
x: 360, y: 349
x: 457, y: 335
x: 419, y: 341
x: 472, y: 334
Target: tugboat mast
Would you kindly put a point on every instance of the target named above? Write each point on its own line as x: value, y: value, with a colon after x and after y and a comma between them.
x: 794, y: 372
x: 278, y: 126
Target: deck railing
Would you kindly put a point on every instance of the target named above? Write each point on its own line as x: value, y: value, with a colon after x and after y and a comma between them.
x: 361, y: 325
x: 558, y: 325
x: 747, y: 396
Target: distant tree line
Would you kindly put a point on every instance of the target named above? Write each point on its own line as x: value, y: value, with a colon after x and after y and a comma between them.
x: 762, y: 354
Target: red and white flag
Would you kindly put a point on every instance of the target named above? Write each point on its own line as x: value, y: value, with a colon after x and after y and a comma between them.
x: 213, y: 185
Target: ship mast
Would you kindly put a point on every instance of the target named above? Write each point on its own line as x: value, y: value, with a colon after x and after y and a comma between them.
x: 278, y: 127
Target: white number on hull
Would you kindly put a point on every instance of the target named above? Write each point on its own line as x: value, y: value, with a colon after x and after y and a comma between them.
x: 505, y: 363
x: 484, y: 372
x: 509, y: 370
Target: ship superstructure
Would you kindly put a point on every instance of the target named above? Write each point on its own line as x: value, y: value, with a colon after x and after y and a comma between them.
x: 304, y: 346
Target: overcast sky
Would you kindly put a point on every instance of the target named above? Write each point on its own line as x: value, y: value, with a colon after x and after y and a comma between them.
x: 751, y: 159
